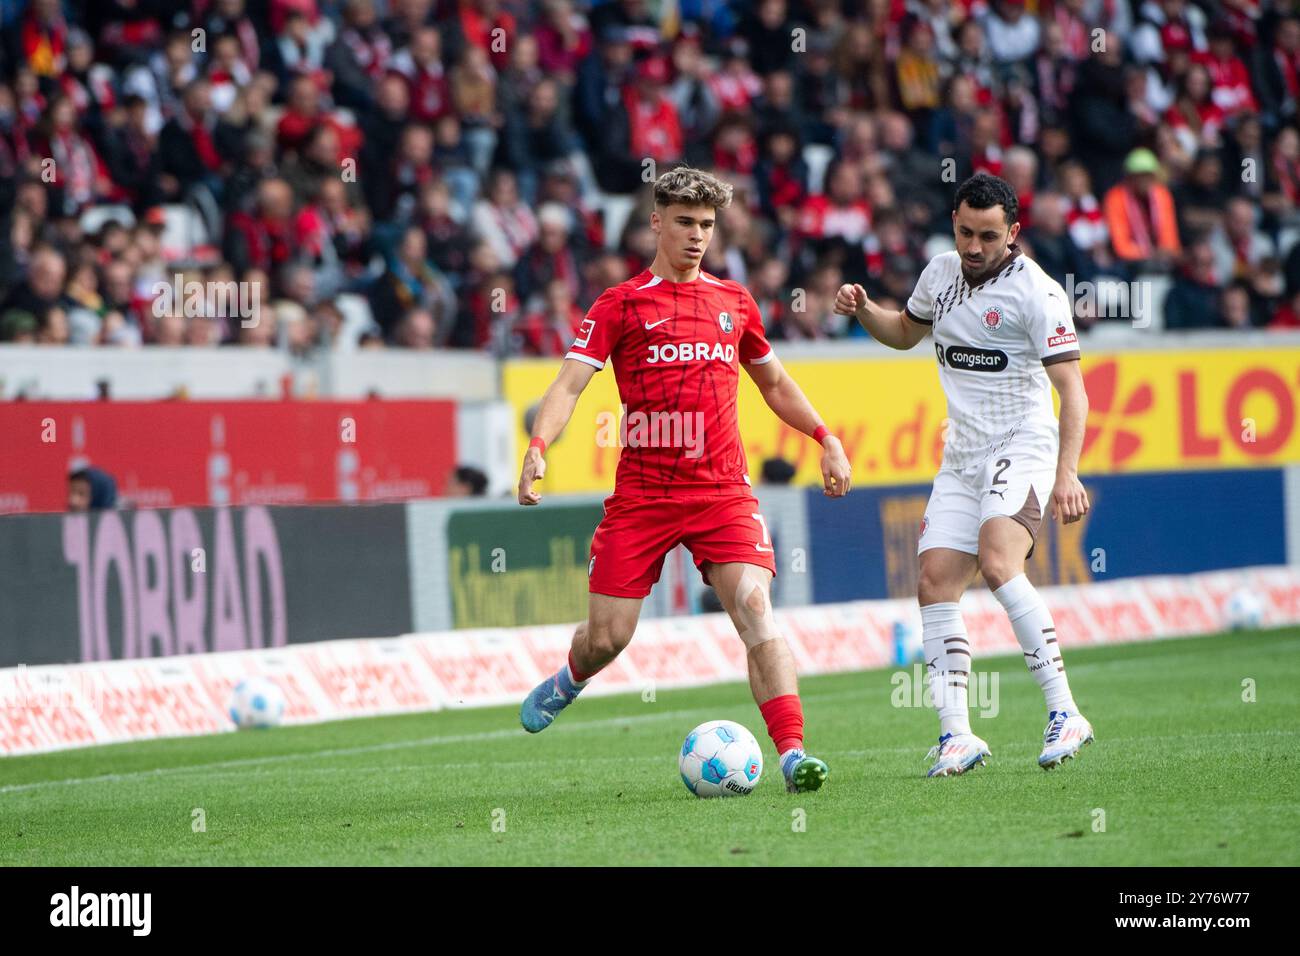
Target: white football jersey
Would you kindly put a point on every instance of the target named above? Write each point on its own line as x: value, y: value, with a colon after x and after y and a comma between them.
x: 992, y: 343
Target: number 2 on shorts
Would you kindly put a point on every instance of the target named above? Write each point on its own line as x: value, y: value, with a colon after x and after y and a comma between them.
x: 1003, y: 464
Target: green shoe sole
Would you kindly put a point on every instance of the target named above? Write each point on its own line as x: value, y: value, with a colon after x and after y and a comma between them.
x: 810, y: 775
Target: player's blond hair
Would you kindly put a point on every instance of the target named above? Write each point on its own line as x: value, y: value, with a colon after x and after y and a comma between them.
x: 686, y: 186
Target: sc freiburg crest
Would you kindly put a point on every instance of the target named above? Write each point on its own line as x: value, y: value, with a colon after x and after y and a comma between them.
x: 724, y: 320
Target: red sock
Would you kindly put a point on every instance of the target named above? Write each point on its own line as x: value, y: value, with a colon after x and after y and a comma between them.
x: 577, y: 676
x: 784, y: 717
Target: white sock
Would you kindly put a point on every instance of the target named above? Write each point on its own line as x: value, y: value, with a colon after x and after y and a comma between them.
x: 1036, y: 633
x: 947, y: 664
x: 578, y: 684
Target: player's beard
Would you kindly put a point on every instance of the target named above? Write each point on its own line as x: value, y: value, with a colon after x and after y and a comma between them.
x: 975, y: 278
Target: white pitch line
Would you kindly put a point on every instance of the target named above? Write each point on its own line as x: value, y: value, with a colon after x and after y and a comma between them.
x: 486, y: 735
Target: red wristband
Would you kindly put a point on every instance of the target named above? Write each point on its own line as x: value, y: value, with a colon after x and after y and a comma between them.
x: 820, y: 434
x: 539, y: 444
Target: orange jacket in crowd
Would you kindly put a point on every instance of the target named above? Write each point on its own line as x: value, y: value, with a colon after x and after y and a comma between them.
x: 1130, y: 234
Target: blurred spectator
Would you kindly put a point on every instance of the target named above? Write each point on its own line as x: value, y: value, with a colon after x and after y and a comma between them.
x: 563, y: 40
x: 1193, y: 299
x: 1013, y: 35
x: 838, y: 220
x: 1240, y: 247
x: 1049, y: 243
x: 412, y: 282
x: 1100, y: 115
x: 474, y: 94
x: 17, y: 326
x: 1286, y: 316
x: 416, y: 330
x: 1164, y: 25
x: 358, y: 56
x: 80, y: 176
x: 552, y: 257
x: 550, y: 327
x: 649, y: 116
x: 1278, y: 73
x: 420, y: 65
x: 1140, y: 216
x: 43, y: 288
x: 504, y: 220
x: 1236, y: 308
x: 1199, y: 199
x: 693, y: 92
x: 1283, y: 177
x: 918, y: 73
x: 777, y: 471
x: 188, y: 143
x: 1230, y: 83
x: 767, y: 32
x: 1196, y: 119
x: 467, y: 482
x: 268, y: 235
x: 536, y: 136
x: 91, y: 489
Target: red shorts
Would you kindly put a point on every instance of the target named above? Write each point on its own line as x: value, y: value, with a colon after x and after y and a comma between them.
x: 636, y: 534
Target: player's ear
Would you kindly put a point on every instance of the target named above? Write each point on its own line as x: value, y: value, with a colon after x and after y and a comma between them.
x: 655, y: 221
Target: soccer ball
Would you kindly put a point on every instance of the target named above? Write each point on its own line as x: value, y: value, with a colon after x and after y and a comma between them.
x: 720, y: 759
x: 1244, y: 610
x: 256, y: 702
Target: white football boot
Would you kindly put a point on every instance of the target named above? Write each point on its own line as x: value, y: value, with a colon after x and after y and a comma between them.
x: 1063, y: 737
x: 956, y: 754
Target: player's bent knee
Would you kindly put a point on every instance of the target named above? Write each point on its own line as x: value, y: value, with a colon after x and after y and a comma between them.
x: 754, y: 619
x: 607, y: 642
x: 998, y: 569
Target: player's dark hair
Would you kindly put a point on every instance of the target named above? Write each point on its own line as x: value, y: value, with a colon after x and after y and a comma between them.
x: 984, y: 191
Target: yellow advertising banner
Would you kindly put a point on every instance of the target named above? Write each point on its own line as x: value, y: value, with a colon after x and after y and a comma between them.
x: 1149, y: 411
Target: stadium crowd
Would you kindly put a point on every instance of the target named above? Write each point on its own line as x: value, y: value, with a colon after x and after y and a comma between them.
x: 473, y: 173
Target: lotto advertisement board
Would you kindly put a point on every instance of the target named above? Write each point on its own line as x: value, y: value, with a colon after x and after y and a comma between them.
x: 1159, y: 410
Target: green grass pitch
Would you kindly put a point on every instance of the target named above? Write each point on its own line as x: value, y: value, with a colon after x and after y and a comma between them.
x: 1185, y: 771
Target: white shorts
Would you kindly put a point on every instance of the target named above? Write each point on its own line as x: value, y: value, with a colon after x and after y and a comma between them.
x: 1015, y: 482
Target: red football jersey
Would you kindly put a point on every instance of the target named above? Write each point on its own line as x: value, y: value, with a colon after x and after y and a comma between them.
x: 676, y: 349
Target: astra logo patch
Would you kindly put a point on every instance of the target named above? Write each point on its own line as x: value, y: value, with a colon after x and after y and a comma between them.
x: 1062, y: 337
x: 971, y: 359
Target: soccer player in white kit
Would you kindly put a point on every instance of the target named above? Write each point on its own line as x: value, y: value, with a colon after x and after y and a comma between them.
x: 1004, y: 336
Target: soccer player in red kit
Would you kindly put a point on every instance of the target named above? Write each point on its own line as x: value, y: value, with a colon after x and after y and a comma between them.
x: 677, y: 338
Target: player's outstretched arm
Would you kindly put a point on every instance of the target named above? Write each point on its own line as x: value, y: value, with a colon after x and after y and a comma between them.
x: 1069, y: 499
x: 553, y: 414
x: 784, y: 396
x: 894, y: 329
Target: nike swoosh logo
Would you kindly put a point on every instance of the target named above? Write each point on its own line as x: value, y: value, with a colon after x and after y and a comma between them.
x: 660, y: 322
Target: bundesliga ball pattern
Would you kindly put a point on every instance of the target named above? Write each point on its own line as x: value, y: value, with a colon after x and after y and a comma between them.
x: 720, y: 759
x: 256, y: 702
